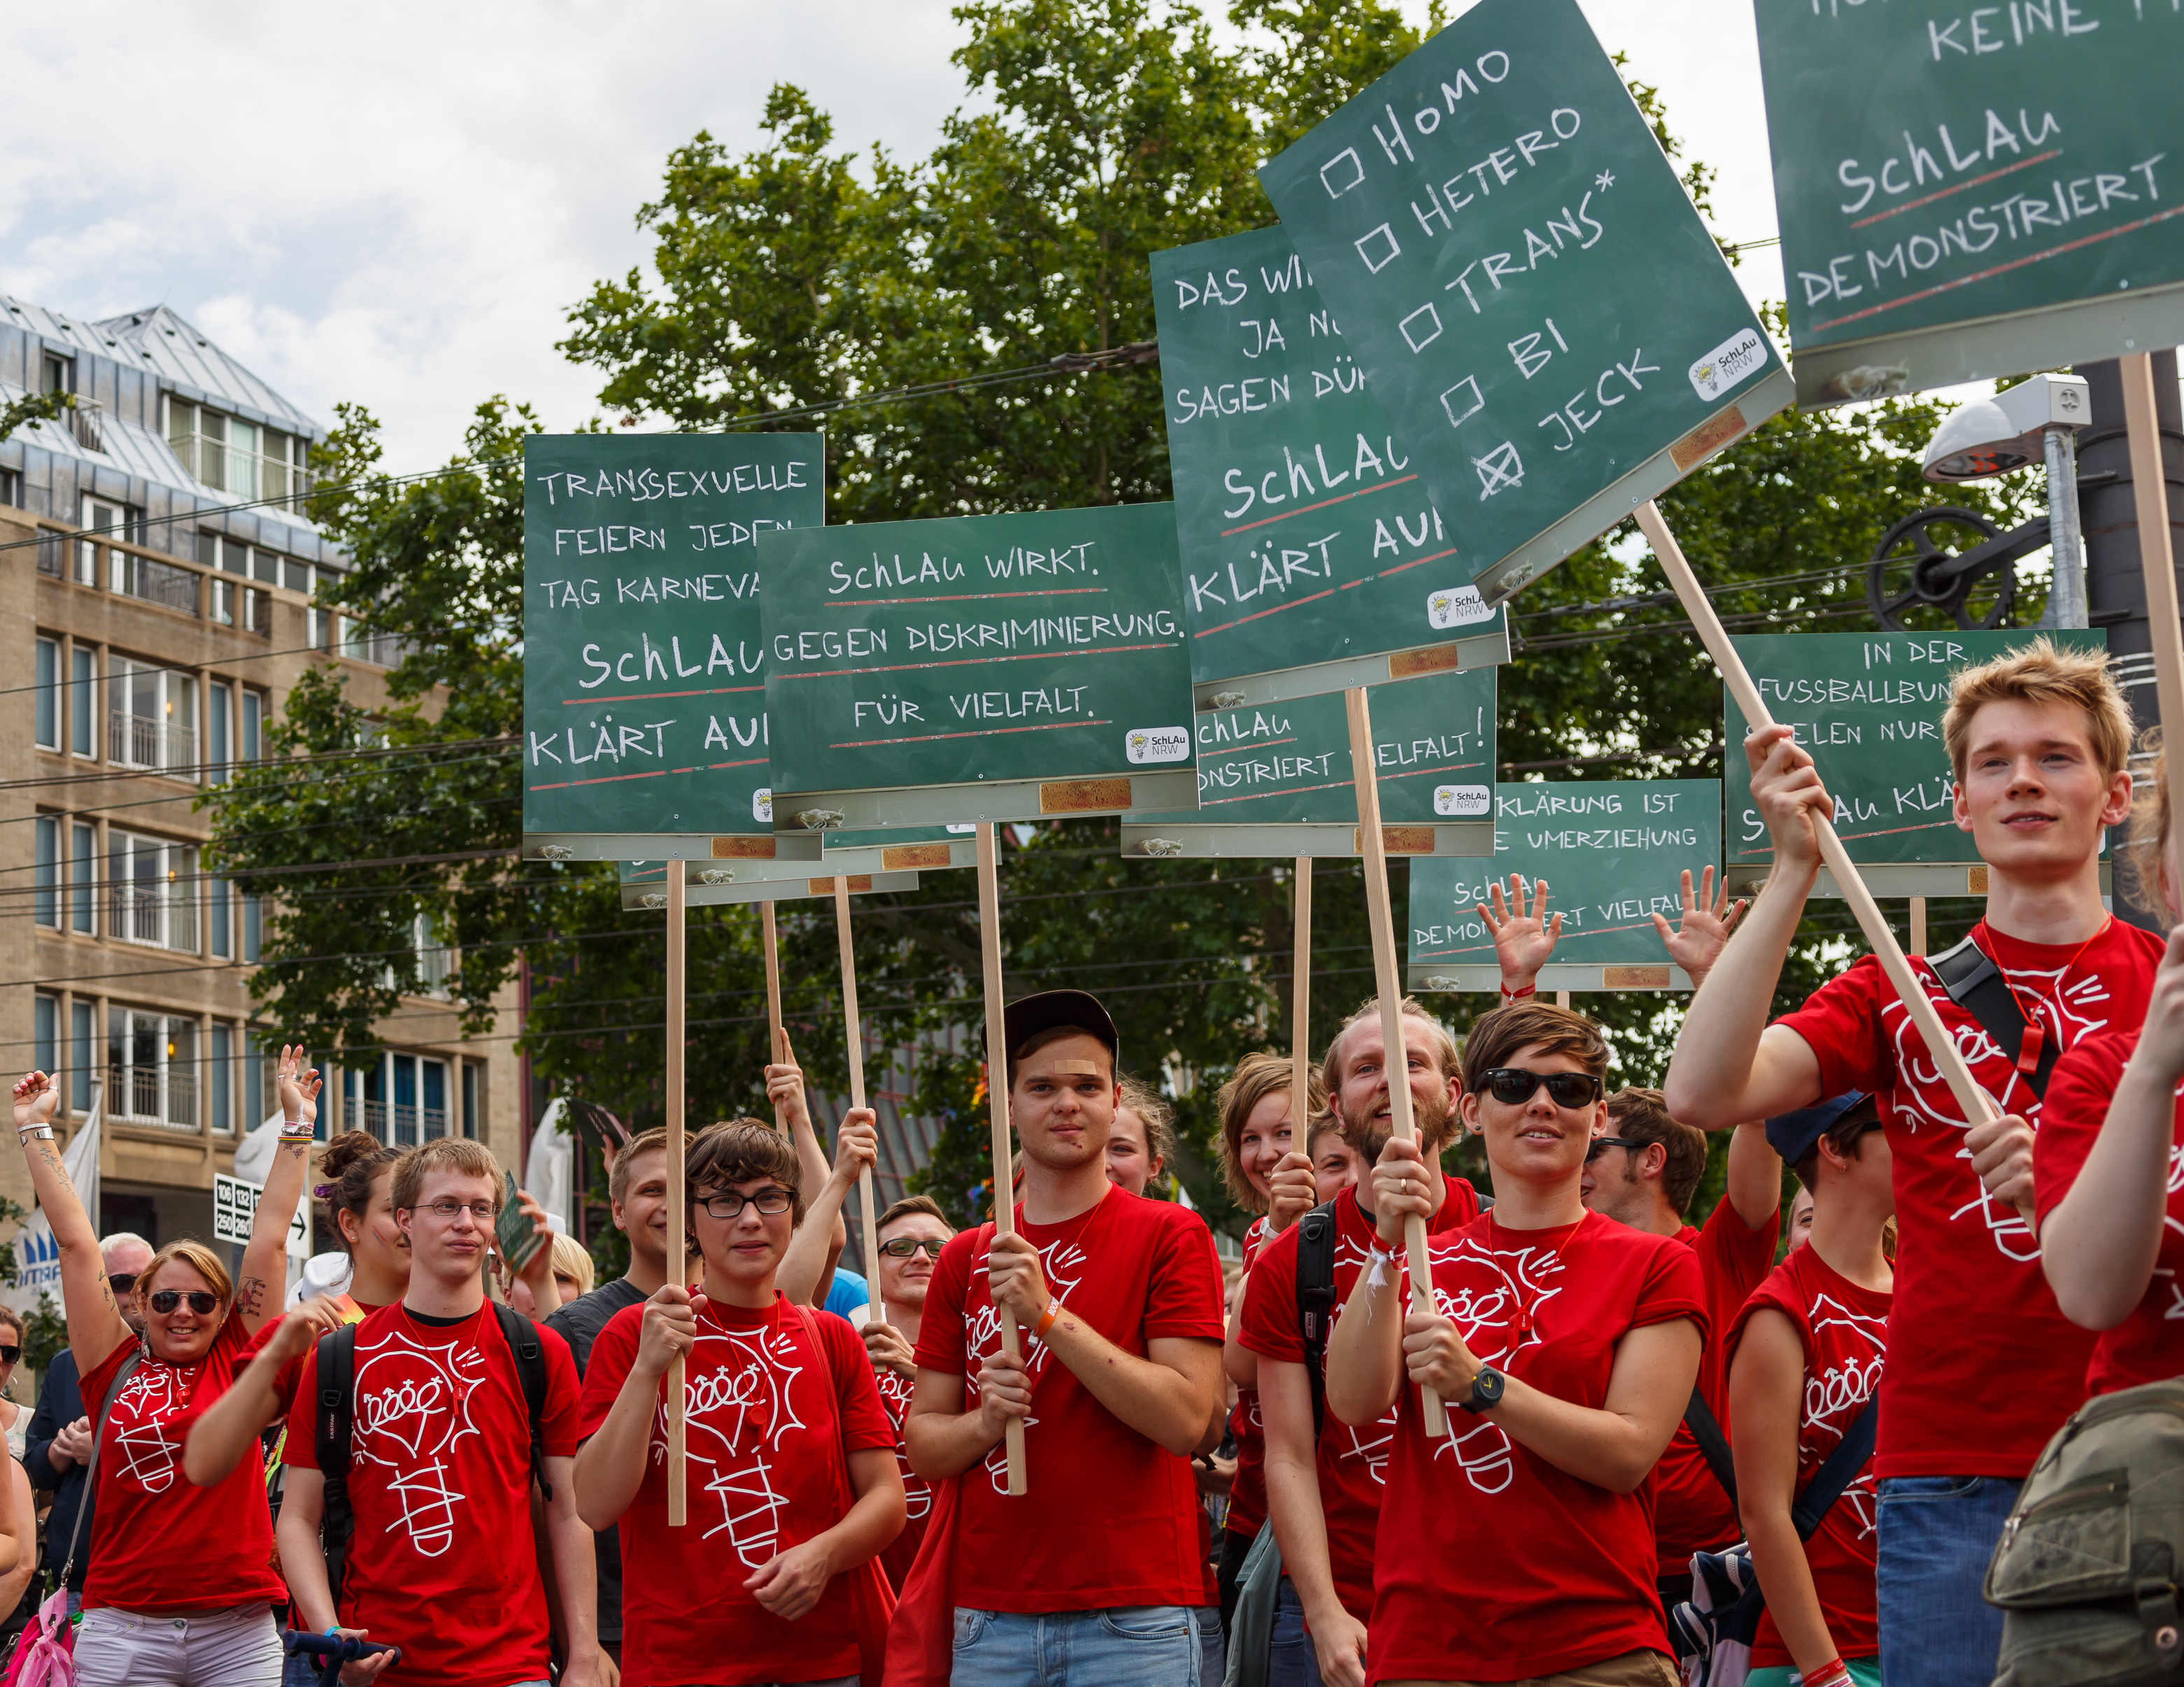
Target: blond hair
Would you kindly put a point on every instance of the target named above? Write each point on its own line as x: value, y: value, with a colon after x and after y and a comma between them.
x: 1256, y: 1076
x: 199, y: 1258
x: 572, y: 1259
x: 2040, y: 674
x: 459, y: 1154
x: 2142, y: 858
x: 1143, y: 1099
x: 1331, y: 1068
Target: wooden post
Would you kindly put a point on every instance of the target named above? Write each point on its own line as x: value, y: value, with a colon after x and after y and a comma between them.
x: 773, y: 1037
x: 856, y: 1034
x: 1300, y: 1012
x: 1917, y: 925
x: 1388, y: 980
x: 2157, y: 557
x: 1561, y: 998
x: 997, y: 1109
x: 678, y: 1512
x: 1941, y: 1047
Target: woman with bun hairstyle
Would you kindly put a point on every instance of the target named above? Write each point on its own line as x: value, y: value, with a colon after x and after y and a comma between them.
x: 182, y: 1586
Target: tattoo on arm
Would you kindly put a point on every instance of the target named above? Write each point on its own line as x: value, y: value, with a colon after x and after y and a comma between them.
x: 250, y: 1296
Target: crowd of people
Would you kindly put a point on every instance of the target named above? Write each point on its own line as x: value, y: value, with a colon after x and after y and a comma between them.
x: 1061, y: 1450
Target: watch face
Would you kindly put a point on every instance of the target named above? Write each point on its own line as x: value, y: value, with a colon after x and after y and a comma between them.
x: 1487, y: 1385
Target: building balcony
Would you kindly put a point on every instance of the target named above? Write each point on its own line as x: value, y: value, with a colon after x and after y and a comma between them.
x: 143, y: 741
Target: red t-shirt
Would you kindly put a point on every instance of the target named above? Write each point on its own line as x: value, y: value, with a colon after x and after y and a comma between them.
x: 1691, y: 1512
x: 1247, y: 1493
x: 2149, y: 1345
x: 1558, y: 1572
x: 444, y: 1560
x: 896, y: 1392
x: 1844, y: 1328
x: 1110, y: 1518
x: 1971, y: 1304
x: 768, y: 1419
x: 1352, y: 1460
x: 145, y: 1506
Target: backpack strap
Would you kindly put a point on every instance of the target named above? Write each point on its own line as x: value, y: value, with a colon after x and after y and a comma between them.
x: 1315, y: 1300
x: 530, y: 1351
x: 1976, y: 985
x: 331, y: 1438
x: 1705, y: 1430
x: 1837, y: 1471
x: 90, y: 1469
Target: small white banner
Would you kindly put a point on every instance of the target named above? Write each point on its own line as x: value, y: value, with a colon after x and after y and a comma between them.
x: 762, y: 805
x: 1729, y: 363
x: 1457, y: 606
x: 1157, y: 744
x: 1462, y: 801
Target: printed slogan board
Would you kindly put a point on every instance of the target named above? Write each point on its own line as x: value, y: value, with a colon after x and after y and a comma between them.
x: 995, y: 667
x: 1314, y: 557
x: 644, y: 886
x: 1868, y: 707
x: 644, y: 719
x: 1974, y: 191
x: 1275, y: 779
x: 1613, y: 855
x: 1526, y: 285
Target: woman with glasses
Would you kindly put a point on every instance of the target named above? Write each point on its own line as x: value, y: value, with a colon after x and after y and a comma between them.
x: 793, y: 1487
x: 912, y: 1232
x: 200, y: 1616
x: 1564, y: 1346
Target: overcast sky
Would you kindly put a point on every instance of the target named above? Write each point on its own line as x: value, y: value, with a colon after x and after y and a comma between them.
x: 397, y: 204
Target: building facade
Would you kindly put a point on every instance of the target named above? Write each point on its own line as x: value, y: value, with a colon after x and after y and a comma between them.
x: 157, y: 584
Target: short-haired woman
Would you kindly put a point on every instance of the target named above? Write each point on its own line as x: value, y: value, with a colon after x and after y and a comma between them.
x: 181, y: 1583
x: 1564, y: 1346
x: 793, y: 1478
x: 911, y: 1234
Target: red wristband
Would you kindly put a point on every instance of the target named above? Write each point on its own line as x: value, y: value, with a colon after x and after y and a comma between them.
x: 1046, y: 1320
x: 1510, y: 995
x: 1835, y: 1673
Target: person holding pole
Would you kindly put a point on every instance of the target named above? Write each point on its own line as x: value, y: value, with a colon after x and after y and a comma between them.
x: 1565, y: 1345
x: 2036, y: 740
x: 1324, y: 1492
x: 913, y: 1232
x: 1093, y: 1575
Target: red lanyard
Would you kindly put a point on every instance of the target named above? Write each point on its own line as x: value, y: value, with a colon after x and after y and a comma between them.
x: 1524, y: 1325
x: 2035, y: 1036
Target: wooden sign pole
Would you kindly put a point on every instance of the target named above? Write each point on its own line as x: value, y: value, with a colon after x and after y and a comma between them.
x: 1300, y: 1012
x: 1917, y: 925
x: 774, y: 1040
x: 1395, y: 1060
x: 678, y: 1511
x: 1878, y: 934
x: 2157, y: 557
x: 997, y: 1111
x: 856, y: 1034
x: 1561, y: 998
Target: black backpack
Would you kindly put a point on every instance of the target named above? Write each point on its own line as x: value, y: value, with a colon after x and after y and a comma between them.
x: 337, y: 1424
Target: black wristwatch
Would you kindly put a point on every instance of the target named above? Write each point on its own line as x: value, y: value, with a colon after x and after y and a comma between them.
x: 1485, y: 1389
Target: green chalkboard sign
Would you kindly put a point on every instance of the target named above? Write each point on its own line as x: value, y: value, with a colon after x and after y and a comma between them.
x: 1313, y: 557
x: 644, y: 886
x: 1973, y: 191
x: 1275, y: 779
x: 1613, y: 855
x: 644, y: 672
x: 994, y: 667
x: 1526, y: 284
x: 1868, y: 707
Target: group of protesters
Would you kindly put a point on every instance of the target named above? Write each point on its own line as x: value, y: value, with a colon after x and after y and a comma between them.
x: 1257, y: 1471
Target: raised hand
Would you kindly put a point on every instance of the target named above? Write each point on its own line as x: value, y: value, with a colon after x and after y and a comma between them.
x: 299, y: 1085
x: 669, y: 1331
x: 1523, y: 936
x: 1787, y: 792
x: 1695, y: 942
x: 856, y: 1144
x: 889, y: 1349
x: 36, y: 1097
x: 1291, y: 1191
x: 784, y: 1087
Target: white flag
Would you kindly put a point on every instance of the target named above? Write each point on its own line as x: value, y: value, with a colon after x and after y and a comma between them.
x: 37, y: 1258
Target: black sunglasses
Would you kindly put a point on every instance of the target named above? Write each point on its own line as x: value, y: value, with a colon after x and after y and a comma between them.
x: 8, y: 1355
x: 201, y: 1302
x: 1601, y: 1144
x: 1513, y: 1086
x: 902, y: 1247
x: 121, y: 1282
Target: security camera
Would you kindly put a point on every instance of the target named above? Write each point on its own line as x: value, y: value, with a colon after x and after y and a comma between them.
x: 2002, y: 433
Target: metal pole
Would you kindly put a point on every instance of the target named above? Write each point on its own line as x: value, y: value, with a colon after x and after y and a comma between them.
x: 2066, y: 597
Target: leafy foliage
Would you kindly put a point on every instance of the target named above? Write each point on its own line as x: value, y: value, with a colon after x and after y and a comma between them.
x: 33, y: 407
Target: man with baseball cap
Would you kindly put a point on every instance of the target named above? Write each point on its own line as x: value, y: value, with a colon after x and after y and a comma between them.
x: 1095, y: 1573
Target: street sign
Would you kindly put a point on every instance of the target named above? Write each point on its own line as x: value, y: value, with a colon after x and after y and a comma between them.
x: 1612, y: 854
x: 644, y: 719
x: 643, y: 886
x: 1967, y: 192
x: 1014, y: 667
x: 1314, y: 557
x: 1526, y: 285
x: 235, y: 1204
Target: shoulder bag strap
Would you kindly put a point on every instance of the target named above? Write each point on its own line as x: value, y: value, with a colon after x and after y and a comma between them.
x: 335, y: 1428
x: 530, y: 1351
x: 1705, y: 1430
x: 1837, y: 1471
x: 1976, y: 985
x: 90, y: 1469
x: 1315, y: 1299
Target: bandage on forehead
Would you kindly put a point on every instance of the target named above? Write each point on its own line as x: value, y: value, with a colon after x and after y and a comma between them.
x: 1075, y: 1069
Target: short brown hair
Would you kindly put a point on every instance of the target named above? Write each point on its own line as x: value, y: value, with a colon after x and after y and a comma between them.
x: 1331, y: 1069
x: 2141, y: 858
x: 1497, y: 1036
x: 1643, y: 1115
x: 1256, y: 1076
x: 1143, y: 1099
x: 459, y: 1154
x: 1321, y: 1124
x: 196, y: 1255
x: 644, y: 1142
x: 742, y: 1151
x: 2040, y: 673
x: 912, y: 1206
x: 352, y: 1164
x: 1847, y: 1135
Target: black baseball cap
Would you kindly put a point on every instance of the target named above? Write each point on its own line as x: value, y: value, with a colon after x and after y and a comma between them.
x: 1792, y: 1135
x: 1026, y: 1018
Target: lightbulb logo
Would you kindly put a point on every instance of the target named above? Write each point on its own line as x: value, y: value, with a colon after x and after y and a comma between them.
x: 895, y: 1392
x: 1369, y: 1444
x: 1063, y: 1263
x: 1495, y: 1288
x: 148, y: 1403
x: 412, y: 1405
x: 739, y: 1407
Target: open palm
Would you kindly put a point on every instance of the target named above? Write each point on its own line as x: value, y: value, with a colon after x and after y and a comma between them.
x: 1523, y: 936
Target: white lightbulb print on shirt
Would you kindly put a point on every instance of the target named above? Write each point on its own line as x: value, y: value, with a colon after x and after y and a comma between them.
x: 1062, y: 1263
x: 412, y: 1405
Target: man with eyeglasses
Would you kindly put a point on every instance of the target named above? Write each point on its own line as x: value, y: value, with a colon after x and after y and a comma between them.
x: 911, y: 1234
x: 57, y: 1445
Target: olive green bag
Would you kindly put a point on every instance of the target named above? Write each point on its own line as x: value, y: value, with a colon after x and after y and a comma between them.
x: 2086, y: 1570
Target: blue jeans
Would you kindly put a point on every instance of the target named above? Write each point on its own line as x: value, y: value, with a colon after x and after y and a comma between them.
x: 1137, y: 1646
x: 1938, y: 1533
x: 1291, y: 1659
x: 1212, y: 1646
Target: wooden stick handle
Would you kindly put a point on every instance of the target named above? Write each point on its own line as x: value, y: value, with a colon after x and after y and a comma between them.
x: 1388, y: 980
x: 1300, y: 1012
x: 678, y: 1498
x: 1940, y: 1045
x: 773, y: 1038
x: 997, y: 1111
x: 856, y: 1035
x: 2157, y: 557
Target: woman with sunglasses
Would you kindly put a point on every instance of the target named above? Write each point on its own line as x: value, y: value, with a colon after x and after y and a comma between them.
x: 1564, y: 1346
x: 155, y: 1616
x: 912, y: 1232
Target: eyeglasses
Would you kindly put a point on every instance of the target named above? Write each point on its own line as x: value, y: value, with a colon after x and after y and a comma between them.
x: 1513, y: 1086
x: 121, y: 1282
x: 728, y: 1204
x: 445, y: 1209
x: 203, y: 1304
x: 1601, y: 1144
x: 902, y: 1247
x: 8, y: 1355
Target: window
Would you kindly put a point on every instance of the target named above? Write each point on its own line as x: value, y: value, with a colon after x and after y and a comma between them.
x: 400, y: 1098
x: 220, y: 919
x: 435, y: 961
x: 223, y: 1078
x: 82, y: 1022
x: 83, y: 876
x: 48, y: 671
x: 324, y: 634
x: 250, y: 929
x: 247, y: 746
x: 254, y: 1109
x: 151, y: 1068
x: 46, y: 899
x: 83, y: 678
x: 45, y: 1033
x: 107, y: 520
x: 231, y: 456
x: 220, y: 699
x: 11, y: 488
x: 59, y: 374
x: 153, y: 891
x: 469, y: 1098
x: 154, y: 720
